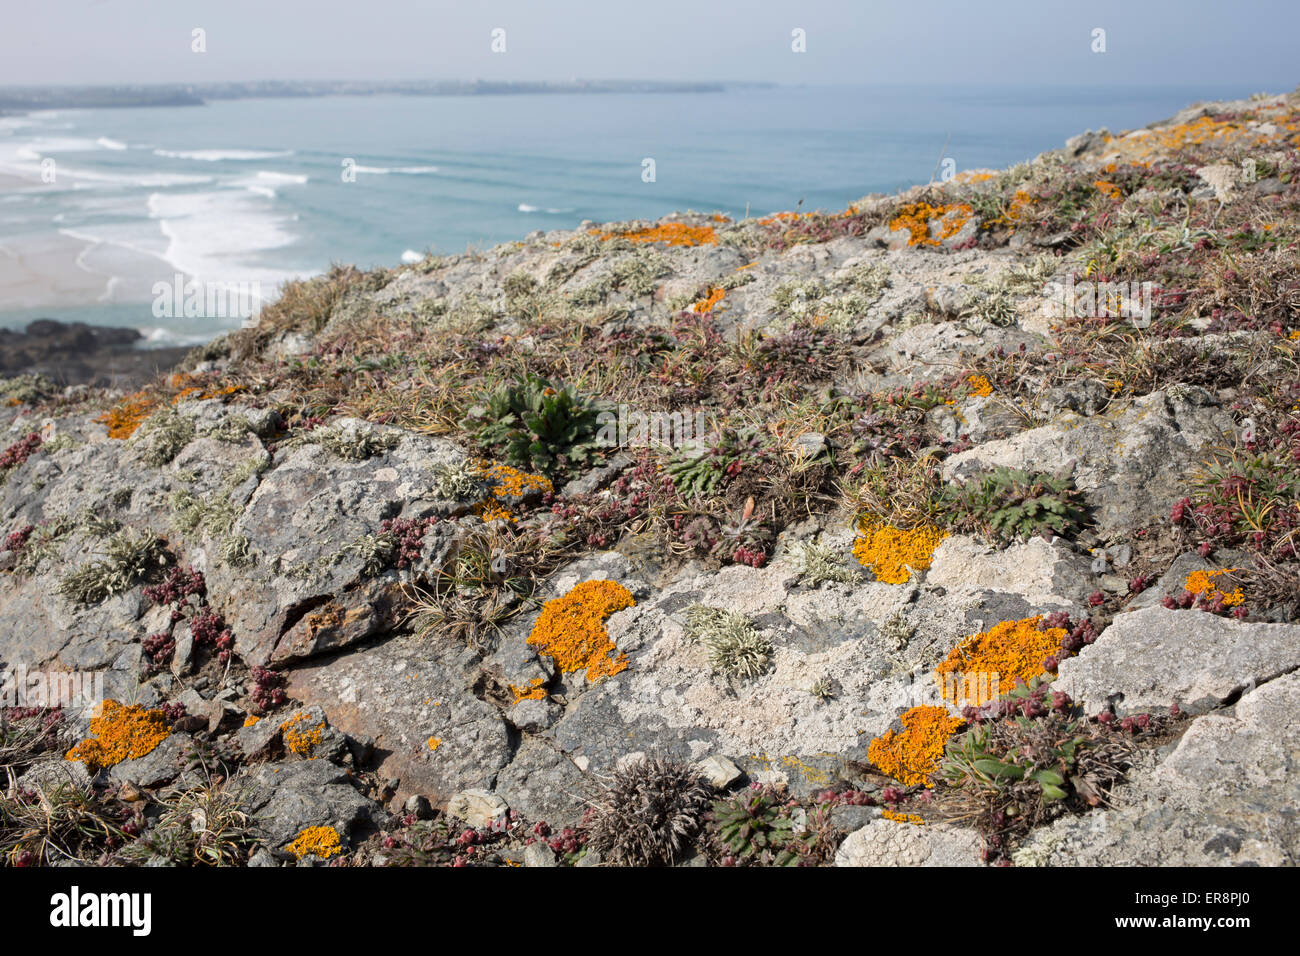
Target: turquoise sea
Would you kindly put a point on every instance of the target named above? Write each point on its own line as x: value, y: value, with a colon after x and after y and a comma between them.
x: 254, y: 190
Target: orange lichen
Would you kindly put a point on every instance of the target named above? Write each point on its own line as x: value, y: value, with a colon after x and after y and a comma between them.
x: 913, y: 755
x: 571, y: 629
x: 1006, y: 653
x: 895, y: 554
x: 916, y: 218
x: 1108, y: 189
x: 434, y: 743
x: 321, y: 842
x: 121, y: 732
x: 709, y: 302
x: 534, y: 690
x: 912, y: 818
x: 1201, y: 583
x: 128, y: 415
x: 251, y: 719
x: 671, y: 233
x: 980, y: 385
x: 300, y: 736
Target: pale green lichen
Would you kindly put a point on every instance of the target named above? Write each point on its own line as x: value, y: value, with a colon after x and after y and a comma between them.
x: 127, y: 559
x: 734, y: 646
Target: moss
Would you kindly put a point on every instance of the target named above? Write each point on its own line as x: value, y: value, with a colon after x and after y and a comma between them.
x: 571, y: 631
x: 912, y: 756
x: 121, y: 733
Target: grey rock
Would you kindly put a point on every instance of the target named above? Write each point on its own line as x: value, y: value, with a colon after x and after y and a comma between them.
x: 719, y: 771
x: 286, y: 798
x: 890, y: 843
x: 478, y: 808
x: 538, y: 853
x: 1148, y: 659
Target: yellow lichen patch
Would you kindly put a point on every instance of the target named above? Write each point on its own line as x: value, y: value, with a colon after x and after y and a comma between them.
x: 916, y: 218
x: 895, y: 554
x: 710, y: 301
x: 980, y: 385
x: 1108, y: 189
x: 321, y: 842
x: 1201, y: 583
x: 507, y: 482
x: 1005, y: 654
x: 128, y: 415
x: 492, y: 511
x: 121, y: 732
x: 534, y: 690
x: 913, y: 755
x: 670, y: 233
x: 300, y: 735
x: 434, y: 743
x: 571, y: 629
x: 912, y: 818
x: 251, y: 719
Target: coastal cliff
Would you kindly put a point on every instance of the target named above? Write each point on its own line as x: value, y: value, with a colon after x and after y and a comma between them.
x: 959, y: 525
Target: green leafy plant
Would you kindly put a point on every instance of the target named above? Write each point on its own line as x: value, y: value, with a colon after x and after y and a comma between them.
x: 535, y: 424
x: 1008, y: 504
x: 755, y: 828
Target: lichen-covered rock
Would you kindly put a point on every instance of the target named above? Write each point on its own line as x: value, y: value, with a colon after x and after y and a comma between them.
x: 1224, y: 796
x: 1147, y: 660
x: 892, y: 843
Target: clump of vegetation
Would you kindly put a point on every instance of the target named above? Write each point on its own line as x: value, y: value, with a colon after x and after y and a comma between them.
x: 755, y: 827
x: 650, y: 814
x: 129, y: 557
x: 397, y: 544
x: 352, y: 440
x: 818, y: 563
x: 163, y: 435
x: 27, y: 389
x: 1016, y: 773
x: 1009, y: 504
x: 17, y: 453
x: 197, y: 826
x: 457, y: 480
x: 733, y: 645
x: 535, y: 424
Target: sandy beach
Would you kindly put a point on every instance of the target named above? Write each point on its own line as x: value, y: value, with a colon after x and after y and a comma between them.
x: 51, y: 270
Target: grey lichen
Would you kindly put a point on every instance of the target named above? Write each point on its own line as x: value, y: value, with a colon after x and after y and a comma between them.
x: 733, y: 645
x: 818, y: 563
x: 128, y: 557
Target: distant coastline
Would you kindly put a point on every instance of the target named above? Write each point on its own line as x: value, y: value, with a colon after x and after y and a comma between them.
x: 21, y: 98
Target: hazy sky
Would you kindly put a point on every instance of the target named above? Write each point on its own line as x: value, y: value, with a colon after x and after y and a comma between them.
x: 1184, y: 42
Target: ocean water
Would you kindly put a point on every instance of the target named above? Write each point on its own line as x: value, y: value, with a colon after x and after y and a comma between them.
x: 253, y: 191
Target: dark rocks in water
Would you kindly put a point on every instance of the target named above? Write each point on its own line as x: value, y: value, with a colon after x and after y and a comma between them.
x: 74, y: 353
